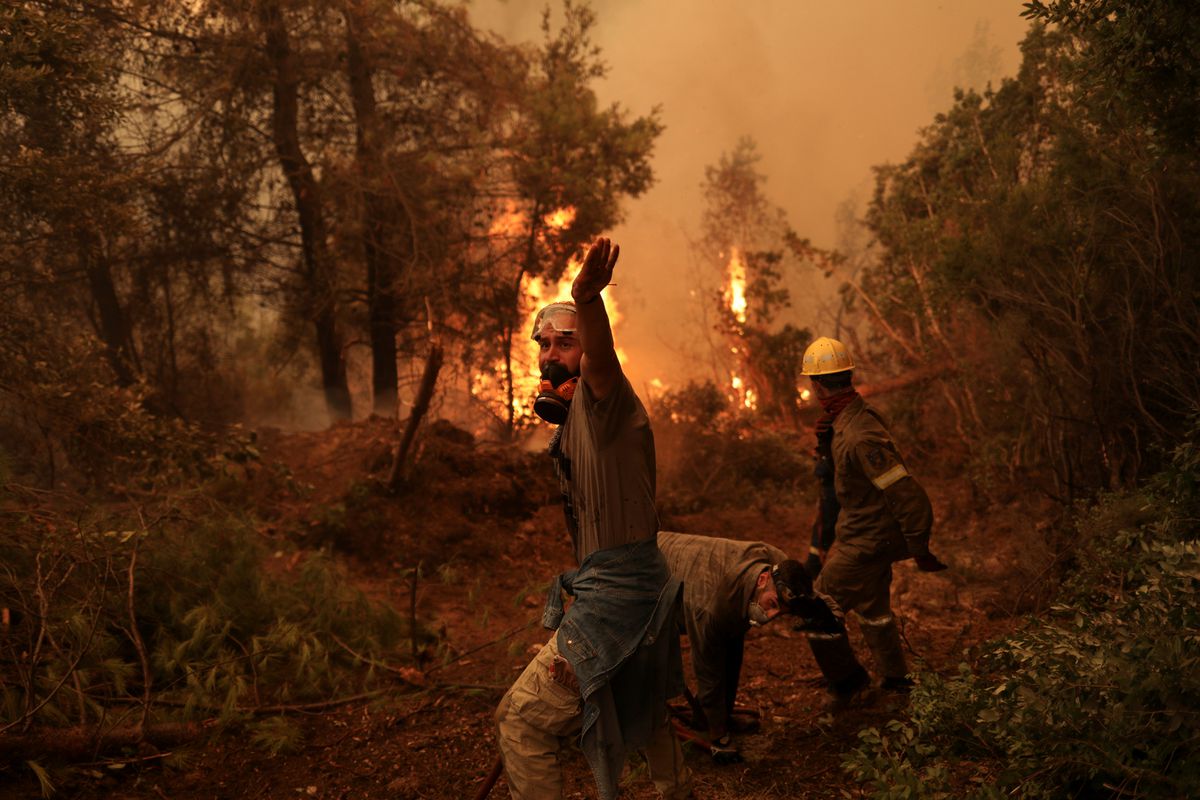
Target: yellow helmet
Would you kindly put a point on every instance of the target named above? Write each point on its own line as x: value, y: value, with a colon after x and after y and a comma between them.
x: 825, y: 356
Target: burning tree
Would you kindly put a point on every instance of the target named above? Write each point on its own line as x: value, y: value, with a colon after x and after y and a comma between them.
x: 749, y: 242
x: 568, y: 163
x: 507, y: 385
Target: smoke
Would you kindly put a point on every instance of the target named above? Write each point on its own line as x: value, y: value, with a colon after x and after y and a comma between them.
x: 826, y: 89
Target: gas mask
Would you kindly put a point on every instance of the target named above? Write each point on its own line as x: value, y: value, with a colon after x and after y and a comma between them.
x: 555, y: 393
x: 793, y: 588
x: 758, y: 615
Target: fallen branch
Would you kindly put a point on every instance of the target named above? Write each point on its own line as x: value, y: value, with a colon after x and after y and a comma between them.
x: 433, y: 365
x: 483, y: 646
x: 490, y: 780
x: 684, y: 734
x: 410, y: 675
x: 889, y: 385
x: 84, y: 741
x: 282, y: 708
x: 415, y: 677
x: 134, y: 634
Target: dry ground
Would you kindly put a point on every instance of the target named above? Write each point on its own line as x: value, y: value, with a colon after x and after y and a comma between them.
x: 481, y: 591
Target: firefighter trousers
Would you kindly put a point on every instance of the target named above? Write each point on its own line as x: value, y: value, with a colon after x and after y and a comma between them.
x: 863, y: 586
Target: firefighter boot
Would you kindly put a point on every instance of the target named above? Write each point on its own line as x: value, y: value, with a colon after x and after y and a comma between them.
x: 847, y: 679
x: 883, y: 637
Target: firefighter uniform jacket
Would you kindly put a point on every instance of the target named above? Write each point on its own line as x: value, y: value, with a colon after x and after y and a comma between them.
x: 719, y: 577
x: 884, y: 512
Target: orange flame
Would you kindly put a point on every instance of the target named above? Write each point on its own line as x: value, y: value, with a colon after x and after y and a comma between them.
x: 534, y: 295
x: 515, y: 222
x: 510, y: 223
x: 736, y: 293
x: 560, y: 219
x: 746, y: 396
x: 735, y: 296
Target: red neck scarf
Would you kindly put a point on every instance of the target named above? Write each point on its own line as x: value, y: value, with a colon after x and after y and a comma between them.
x: 833, y: 405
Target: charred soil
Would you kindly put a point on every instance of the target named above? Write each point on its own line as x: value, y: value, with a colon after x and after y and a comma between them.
x: 470, y: 546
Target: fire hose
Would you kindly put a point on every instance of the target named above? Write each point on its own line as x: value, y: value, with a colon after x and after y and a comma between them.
x: 491, y: 779
x: 686, y: 734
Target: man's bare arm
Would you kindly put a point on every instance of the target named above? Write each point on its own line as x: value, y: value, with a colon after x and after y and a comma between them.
x: 599, y: 366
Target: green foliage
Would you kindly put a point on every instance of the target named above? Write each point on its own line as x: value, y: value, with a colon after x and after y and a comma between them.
x: 45, y: 785
x: 77, y: 429
x: 227, y: 632
x: 277, y: 735
x: 1097, y: 699
x: 1137, y: 55
x: 1035, y: 256
x: 218, y: 632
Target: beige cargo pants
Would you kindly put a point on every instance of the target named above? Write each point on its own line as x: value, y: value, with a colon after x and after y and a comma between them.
x: 536, y: 717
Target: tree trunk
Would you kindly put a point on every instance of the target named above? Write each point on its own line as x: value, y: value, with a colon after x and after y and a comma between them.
x: 307, y: 197
x: 433, y: 365
x: 379, y: 220
x: 114, y: 326
x: 527, y: 267
x: 514, y: 319
x: 85, y: 742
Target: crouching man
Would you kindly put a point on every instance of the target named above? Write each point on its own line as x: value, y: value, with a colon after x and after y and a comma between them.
x: 729, y: 586
x: 606, y: 675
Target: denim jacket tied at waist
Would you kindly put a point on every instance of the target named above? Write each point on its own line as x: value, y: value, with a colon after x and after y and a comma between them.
x: 621, y: 637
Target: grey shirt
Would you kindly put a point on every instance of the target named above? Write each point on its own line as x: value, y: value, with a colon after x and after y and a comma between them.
x: 604, y: 455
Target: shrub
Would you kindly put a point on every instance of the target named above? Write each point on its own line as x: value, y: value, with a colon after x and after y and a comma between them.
x: 216, y: 630
x: 715, y: 456
x: 1097, y: 699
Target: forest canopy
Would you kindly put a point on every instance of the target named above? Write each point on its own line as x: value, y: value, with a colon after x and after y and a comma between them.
x: 198, y: 198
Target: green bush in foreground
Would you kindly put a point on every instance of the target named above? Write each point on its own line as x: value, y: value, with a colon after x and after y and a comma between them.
x: 1101, y: 698
x: 180, y: 616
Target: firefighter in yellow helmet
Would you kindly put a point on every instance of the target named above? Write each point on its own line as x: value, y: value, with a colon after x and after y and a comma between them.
x: 885, y: 516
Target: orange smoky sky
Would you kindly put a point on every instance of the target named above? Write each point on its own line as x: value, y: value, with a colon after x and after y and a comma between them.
x: 827, y: 90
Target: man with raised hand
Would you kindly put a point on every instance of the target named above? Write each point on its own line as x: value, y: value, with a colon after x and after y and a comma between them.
x: 607, y: 673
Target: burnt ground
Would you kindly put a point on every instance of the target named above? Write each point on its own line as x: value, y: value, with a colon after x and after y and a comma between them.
x: 484, y: 525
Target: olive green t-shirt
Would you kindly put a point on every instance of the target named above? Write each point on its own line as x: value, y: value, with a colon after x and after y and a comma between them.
x: 604, y: 456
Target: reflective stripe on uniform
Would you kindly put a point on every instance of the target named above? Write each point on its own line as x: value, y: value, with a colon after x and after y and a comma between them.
x: 891, y: 476
x: 816, y: 551
x: 823, y: 637
x: 875, y: 622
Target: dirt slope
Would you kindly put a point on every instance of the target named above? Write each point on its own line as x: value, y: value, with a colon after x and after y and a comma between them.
x: 484, y: 525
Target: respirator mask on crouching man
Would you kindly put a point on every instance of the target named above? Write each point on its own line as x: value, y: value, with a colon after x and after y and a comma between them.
x: 758, y: 615
x: 794, y: 591
x: 555, y: 393
x: 558, y: 384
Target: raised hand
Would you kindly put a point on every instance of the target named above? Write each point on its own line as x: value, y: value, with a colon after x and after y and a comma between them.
x: 596, y: 272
